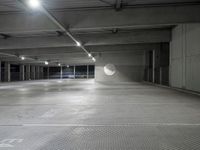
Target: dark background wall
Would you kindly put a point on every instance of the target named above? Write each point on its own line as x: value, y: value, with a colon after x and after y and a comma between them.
x: 79, y: 71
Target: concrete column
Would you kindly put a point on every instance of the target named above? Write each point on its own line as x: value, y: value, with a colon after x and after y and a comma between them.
x: 0, y: 71
x: 87, y: 71
x: 184, y: 46
x: 32, y: 72
x: 61, y: 72
x: 28, y: 71
x: 41, y: 73
x: 21, y: 75
x: 47, y: 72
x: 74, y: 72
x: 7, y: 72
x: 37, y: 72
x: 160, y: 75
x: 153, y: 69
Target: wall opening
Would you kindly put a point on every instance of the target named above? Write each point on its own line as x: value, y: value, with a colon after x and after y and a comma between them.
x: 69, y: 72
x: 157, y: 65
x: 14, y: 72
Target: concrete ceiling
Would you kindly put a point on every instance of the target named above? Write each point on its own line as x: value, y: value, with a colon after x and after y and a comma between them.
x: 99, y: 24
x: 13, y: 5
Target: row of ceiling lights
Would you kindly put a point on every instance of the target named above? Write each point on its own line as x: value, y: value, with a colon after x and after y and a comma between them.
x: 35, y: 4
x: 45, y: 62
x: 23, y: 57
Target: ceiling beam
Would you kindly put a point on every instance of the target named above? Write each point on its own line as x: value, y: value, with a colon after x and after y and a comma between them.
x: 63, y: 60
x: 68, y: 51
x: 71, y: 55
x: 132, y: 37
x: 96, y: 19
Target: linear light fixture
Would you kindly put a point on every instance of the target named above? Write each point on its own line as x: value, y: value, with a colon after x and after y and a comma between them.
x: 22, y: 58
x: 78, y: 44
x: 36, y: 4
x: 89, y: 55
x: 93, y: 59
x: 46, y: 62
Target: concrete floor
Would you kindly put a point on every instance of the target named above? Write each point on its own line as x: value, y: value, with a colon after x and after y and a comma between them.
x: 83, y: 115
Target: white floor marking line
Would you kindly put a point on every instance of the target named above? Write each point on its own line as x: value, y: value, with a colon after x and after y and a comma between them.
x: 112, y: 125
x: 3, y: 145
x: 9, y: 143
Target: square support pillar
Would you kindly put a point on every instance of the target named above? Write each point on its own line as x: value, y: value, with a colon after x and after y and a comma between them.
x: 7, y: 72
x: 22, y: 73
x: 153, y: 69
x: 41, y: 73
x: 47, y: 72
x: 37, y: 72
x: 87, y: 71
x: 0, y: 71
x: 61, y: 72
x: 28, y: 72
x: 74, y: 72
x: 32, y: 72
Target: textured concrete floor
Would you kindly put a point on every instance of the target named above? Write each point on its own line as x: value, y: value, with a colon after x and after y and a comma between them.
x: 83, y: 115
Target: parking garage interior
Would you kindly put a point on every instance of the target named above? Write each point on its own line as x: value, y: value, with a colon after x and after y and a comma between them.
x: 100, y: 74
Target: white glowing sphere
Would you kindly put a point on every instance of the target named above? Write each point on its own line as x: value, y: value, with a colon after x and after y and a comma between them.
x: 109, y: 69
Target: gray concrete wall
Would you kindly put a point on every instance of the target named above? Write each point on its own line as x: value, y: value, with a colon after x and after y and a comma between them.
x: 129, y: 66
x: 185, y: 57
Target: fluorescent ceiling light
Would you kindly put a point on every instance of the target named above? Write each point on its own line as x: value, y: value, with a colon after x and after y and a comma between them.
x: 22, y: 58
x: 46, y: 62
x: 34, y: 3
x: 89, y: 55
x: 93, y: 59
x: 78, y: 44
